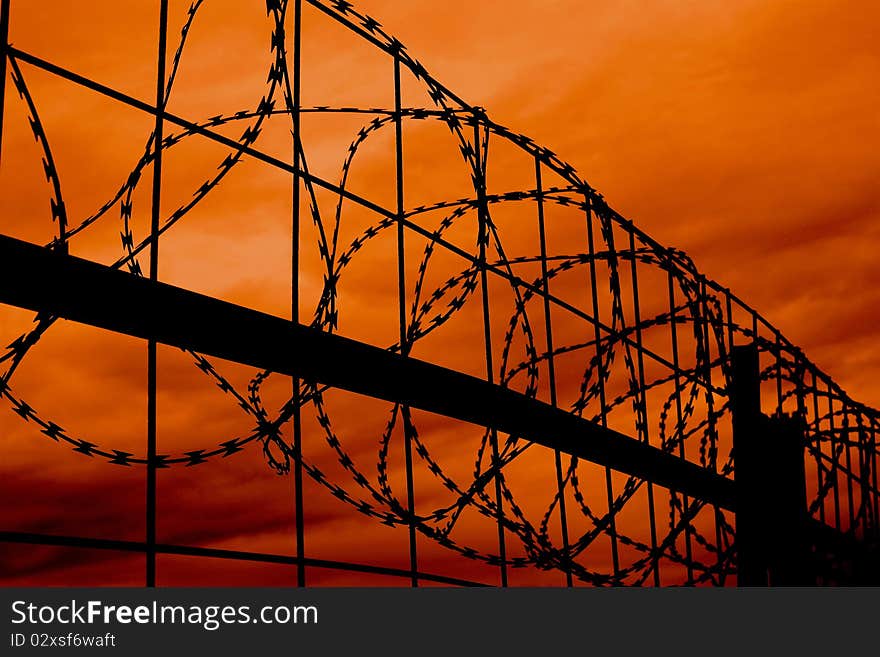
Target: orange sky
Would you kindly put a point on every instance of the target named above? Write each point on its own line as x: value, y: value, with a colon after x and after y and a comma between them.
x: 744, y: 133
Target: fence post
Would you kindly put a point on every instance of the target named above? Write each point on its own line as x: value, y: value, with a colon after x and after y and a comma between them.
x: 770, y: 484
x: 786, y: 523
x: 749, y: 476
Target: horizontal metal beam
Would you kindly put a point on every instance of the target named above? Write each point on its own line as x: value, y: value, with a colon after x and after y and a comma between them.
x: 42, y: 280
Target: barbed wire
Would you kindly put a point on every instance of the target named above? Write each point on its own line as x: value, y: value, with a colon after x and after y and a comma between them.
x: 689, y: 401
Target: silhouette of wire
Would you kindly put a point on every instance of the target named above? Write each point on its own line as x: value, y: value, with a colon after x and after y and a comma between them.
x: 689, y: 401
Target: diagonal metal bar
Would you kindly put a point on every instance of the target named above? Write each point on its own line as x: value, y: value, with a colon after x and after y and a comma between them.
x: 38, y: 279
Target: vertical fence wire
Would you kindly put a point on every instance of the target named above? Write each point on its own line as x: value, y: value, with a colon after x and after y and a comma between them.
x: 600, y: 373
x: 483, y: 238
x: 678, y: 432
x: 154, y: 276
x: 299, y: 162
x: 551, y: 363
x: 642, y: 404
x: 401, y: 304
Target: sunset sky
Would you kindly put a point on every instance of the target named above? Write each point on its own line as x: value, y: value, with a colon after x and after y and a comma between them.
x: 743, y: 132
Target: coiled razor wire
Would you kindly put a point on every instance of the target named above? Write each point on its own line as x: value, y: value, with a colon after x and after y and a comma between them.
x: 699, y: 309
